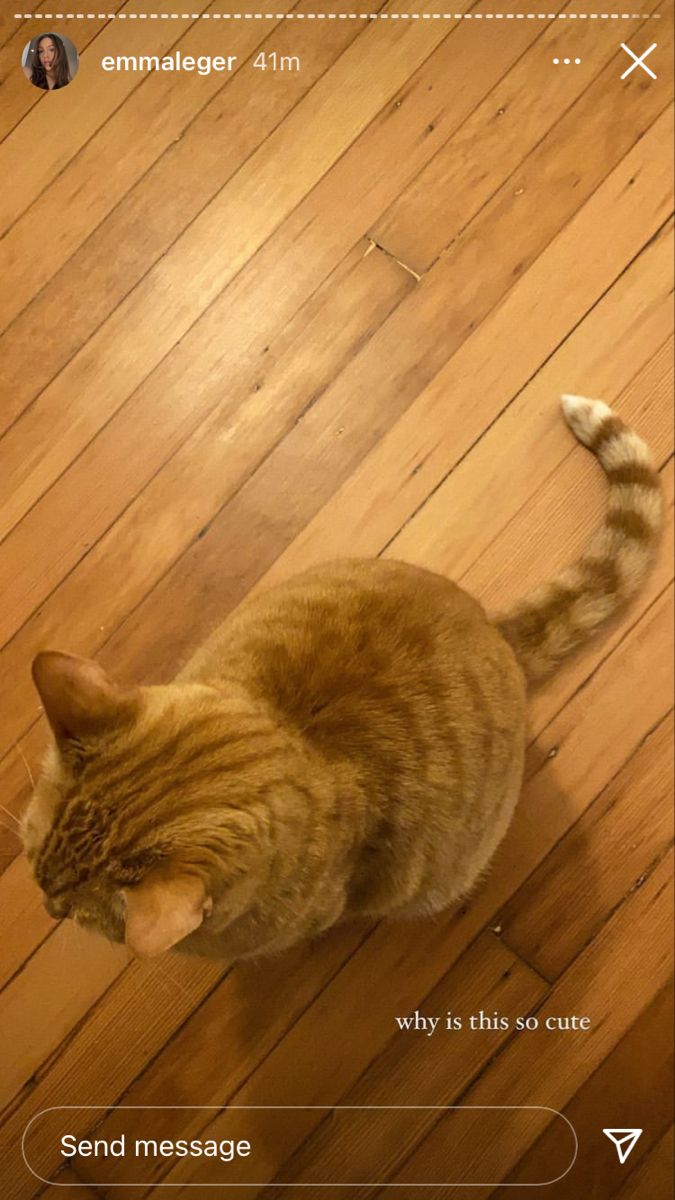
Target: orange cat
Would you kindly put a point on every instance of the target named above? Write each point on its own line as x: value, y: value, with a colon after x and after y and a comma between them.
x: 349, y: 743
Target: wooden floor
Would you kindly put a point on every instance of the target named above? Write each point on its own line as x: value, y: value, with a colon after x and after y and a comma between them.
x: 250, y: 322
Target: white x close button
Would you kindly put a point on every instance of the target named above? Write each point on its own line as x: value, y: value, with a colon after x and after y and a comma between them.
x: 639, y: 60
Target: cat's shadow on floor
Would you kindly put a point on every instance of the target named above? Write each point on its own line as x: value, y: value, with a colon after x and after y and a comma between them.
x: 343, y: 989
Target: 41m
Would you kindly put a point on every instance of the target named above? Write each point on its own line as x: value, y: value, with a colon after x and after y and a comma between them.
x: 271, y: 61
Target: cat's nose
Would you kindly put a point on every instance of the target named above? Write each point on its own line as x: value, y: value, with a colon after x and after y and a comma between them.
x: 57, y: 907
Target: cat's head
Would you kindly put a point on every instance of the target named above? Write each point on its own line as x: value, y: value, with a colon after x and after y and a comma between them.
x: 122, y: 833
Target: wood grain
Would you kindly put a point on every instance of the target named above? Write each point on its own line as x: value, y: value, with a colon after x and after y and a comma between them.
x: 630, y: 1080
x: 655, y: 1176
x: 614, y: 844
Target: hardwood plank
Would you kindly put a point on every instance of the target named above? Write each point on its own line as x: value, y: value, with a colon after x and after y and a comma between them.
x: 78, y: 1190
x: 298, y: 365
x: 485, y: 974
x: 179, y: 1006
x: 605, y: 855
x: 59, y: 402
x: 431, y: 212
x: 164, y: 105
x: 30, y: 155
x: 156, y: 212
x: 8, y: 24
x: 24, y: 921
x: 599, y: 698
x: 221, y: 239
x: 630, y: 958
x: 632, y: 1085
x: 655, y: 1176
x: 153, y: 215
x: 330, y: 441
x: 16, y: 786
x: 448, y: 448
x: 79, y: 967
x: 18, y: 96
x: 417, y: 1070
x: 609, y: 735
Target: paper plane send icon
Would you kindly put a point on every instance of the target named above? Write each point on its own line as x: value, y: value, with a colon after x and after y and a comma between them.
x: 624, y: 1140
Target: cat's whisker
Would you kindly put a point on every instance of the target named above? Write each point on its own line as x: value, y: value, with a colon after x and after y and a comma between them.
x: 140, y: 992
x: 23, y: 758
x: 165, y: 975
x: 145, y: 979
x: 11, y: 829
x: 68, y: 939
x: 11, y: 816
x: 15, y: 827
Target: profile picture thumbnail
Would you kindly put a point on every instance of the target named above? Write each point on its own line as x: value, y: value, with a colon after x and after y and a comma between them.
x: 50, y: 61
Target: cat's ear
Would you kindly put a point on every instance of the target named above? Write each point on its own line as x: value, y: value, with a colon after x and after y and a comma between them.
x: 78, y: 697
x: 163, y: 909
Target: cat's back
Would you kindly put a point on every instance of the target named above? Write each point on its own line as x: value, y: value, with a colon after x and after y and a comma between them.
x: 355, y: 641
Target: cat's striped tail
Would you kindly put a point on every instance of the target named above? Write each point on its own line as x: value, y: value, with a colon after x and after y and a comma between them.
x: 562, y: 615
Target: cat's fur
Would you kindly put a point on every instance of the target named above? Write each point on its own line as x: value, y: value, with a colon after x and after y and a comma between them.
x: 349, y: 743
